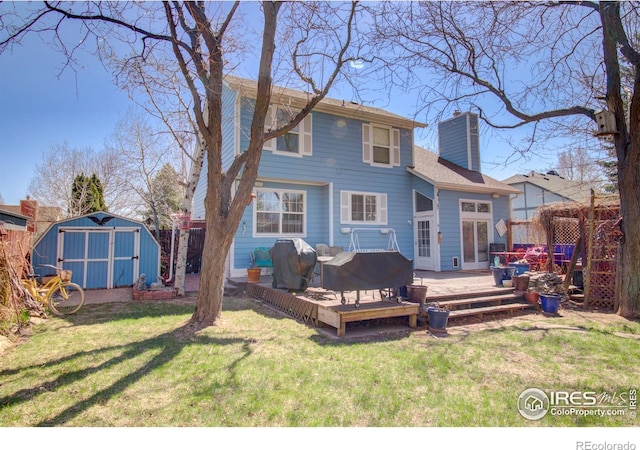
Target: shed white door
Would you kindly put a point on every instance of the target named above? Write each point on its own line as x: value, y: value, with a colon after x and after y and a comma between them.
x: 100, y: 258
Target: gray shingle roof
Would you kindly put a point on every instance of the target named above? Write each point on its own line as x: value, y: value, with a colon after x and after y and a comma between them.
x: 571, y: 190
x: 294, y: 97
x: 447, y: 175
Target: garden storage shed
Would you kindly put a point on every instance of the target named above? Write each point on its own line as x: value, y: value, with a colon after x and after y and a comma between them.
x: 102, y: 250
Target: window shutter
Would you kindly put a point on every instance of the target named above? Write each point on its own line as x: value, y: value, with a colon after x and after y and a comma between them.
x: 306, y: 148
x: 383, y: 209
x: 269, y: 123
x: 344, y: 207
x: 367, y: 144
x: 395, y: 147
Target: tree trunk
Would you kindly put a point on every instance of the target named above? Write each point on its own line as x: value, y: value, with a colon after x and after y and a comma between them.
x: 628, y: 269
x: 627, y: 145
x: 183, y: 242
x: 212, y: 275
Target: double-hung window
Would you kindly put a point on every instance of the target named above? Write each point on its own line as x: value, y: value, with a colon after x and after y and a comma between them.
x: 297, y: 141
x: 365, y: 208
x: 280, y: 212
x: 380, y: 145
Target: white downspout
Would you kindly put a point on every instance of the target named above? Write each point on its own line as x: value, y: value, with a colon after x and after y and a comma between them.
x: 331, y: 214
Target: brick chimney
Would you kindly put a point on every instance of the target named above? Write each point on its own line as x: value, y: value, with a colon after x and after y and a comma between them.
x: 29, y: 208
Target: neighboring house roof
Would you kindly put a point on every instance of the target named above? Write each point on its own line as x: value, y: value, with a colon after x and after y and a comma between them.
x: 571, y: 190
x: 297, y: 98
x: 444, y: 174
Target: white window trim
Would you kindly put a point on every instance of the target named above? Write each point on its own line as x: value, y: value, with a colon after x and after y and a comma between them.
x: 367, y: 145
x: 346, y: 211
x: 476, y: 214
x: 304, y: 215
x: 305, y: 135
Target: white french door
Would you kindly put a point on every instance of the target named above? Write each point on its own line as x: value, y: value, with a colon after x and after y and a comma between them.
x: 475, y: 244
x: 424, y: 244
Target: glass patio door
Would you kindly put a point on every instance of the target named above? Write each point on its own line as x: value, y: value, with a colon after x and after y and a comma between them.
x: 475, y: 244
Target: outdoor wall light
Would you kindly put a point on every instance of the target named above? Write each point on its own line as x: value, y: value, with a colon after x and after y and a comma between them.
x: 495, y: 195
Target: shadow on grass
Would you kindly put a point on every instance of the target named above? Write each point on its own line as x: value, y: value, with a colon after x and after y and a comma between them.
x: 169, y: 345
x: 94, y: 314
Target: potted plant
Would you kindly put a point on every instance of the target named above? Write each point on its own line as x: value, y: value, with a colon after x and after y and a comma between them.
x: 550, y: 288
x: 438, y: 317
x: 532, y: 296
x: 253, y: 273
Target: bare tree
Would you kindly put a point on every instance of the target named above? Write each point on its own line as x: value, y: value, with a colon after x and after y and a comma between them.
x: 195, y: 37
x: 143, y: 151
x: 53, y: 177
x: 578, y: 165
x: 545, y: 67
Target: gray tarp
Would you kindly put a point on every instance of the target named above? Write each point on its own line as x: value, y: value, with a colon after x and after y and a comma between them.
x: 293, y: 263
x: 352, y: 271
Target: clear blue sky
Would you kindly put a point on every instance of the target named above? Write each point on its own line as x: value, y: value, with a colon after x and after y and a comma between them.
x: 40, y: 108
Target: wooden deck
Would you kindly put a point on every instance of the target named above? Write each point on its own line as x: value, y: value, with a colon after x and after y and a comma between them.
x: 324, y: 307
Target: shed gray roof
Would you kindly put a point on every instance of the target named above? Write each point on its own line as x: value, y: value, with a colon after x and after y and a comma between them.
x: 444, y: 174
x: 571, y: 190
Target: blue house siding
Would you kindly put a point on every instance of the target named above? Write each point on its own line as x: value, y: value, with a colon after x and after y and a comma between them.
x: 86, y: 251
x: 450, y: 223
x: 474, y: 137
x: 336, y: 165
x: 452, y: 141
x: 459, y: 141
x: 229, y: 129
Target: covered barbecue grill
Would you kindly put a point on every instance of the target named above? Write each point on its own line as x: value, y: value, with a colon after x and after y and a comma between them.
x: 293, y: 263
x: 355, y: 271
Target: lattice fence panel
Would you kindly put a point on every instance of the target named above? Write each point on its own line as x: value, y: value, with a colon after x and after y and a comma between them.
x: 565, y: 230
x: 283, y: 301
x: 602, y: 273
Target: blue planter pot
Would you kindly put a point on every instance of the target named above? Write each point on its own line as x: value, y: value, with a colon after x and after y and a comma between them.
x: 438, y: 318
x: 520, y: 268
x: 550, y: 303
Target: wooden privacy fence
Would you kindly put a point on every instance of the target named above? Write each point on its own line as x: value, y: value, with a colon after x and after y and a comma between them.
x: 194, y: 251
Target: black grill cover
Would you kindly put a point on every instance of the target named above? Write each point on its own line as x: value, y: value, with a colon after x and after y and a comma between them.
x: 293, y: 263
x: 350, y: 271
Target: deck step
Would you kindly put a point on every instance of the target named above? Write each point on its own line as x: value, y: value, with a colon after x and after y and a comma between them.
x: 466, y: 295
x: 469, y: 302
x: 512, y: 307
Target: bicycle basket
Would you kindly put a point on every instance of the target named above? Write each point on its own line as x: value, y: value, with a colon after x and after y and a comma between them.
x: 65, y: 275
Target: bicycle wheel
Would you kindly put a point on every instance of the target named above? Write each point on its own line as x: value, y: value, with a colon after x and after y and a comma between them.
x: 66, y: 298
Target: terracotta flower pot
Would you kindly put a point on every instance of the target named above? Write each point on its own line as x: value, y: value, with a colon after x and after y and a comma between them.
x: 253, y: 273
x: 532, y: 297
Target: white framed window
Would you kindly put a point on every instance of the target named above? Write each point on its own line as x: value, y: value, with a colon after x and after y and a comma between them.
x: 363, y: 208
x: 297, y: 142
x: 472, y: 206
x: 279, y: 213
x: 380, y: 145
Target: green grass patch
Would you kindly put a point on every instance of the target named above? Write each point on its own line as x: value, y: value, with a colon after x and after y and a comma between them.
x: 128, y: 365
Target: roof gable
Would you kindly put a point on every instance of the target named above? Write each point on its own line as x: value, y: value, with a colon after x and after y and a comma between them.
x: 556, y: 184
x: 444, y: 174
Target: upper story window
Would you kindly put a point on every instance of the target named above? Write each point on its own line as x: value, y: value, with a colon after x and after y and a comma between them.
x: 297, y: 142
x: 380, y: 145
x: 280, y: 212
x: 363, y: 208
